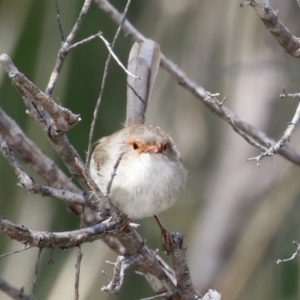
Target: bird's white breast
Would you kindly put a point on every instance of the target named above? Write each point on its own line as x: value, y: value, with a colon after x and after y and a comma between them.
x: 144, y: 185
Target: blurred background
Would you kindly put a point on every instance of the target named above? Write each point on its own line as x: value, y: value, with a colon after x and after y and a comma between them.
x: 237, y: 219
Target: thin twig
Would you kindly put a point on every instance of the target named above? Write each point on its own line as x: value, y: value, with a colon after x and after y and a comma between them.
x: 89, y: 180
x: 90, y: 38
x: 288, y: 95
x: 26, y: 247
x: 296, y: 254
x: 230, y: 121
x: 11, y: 291
x: 77, y: 273
x: 63, y: 51
x: 36, y: 270
x: 114, y: 173
x: 106, y: 203
x: 59, y: 22
x: 50, y: 260
x: 28, y: 183
x: 78, y: 264
x: 105, y: 73
x: 120, y: 266
x: 284, y: 139
x: 108, y: 46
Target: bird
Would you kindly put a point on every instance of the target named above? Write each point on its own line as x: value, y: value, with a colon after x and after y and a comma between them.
x: 149, y: 175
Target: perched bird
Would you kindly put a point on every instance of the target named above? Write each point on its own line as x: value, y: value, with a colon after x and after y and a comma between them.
x: 149, y: 175
x: 150, y: 171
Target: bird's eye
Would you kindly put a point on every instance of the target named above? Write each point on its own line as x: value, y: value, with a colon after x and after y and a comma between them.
x: 135, y: 146
x: 165, y: 146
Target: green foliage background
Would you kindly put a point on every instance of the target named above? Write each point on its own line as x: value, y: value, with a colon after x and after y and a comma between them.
x: 223, y: 48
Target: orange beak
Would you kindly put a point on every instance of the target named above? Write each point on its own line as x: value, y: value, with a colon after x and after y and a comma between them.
x: 151, y: 149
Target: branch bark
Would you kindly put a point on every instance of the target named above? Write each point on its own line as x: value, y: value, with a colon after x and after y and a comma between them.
x: 44, y: 239
x: 11, y: 291
x: 289, y: 42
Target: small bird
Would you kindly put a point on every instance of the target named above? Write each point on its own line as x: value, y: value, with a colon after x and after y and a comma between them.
x: 150, y: 172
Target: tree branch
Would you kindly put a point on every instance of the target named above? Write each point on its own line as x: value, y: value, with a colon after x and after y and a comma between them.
x: 64, y: 50
x: 120, y: 266
x: 44, y: 239
x: 283, y: 36
x: 295, y: 254
x: 62, y: 118
x: 43, y: 117
x: 284, y: 139
x: 198, y: 91
x: 231, y: 122
x: 181, y: 268
x: 11, y: 291
x: 28, y: 183
x: 33, y: 156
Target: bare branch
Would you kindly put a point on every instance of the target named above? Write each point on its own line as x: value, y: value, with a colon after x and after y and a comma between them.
x: 181, y: 268
x: 24, y: 248
x: 58, y: 21
x: 296, y: 254
x: 105, y: 72
x: 90, y: 182
x: 284, y: 139
x: 120, y: 266
x: 284, y: 37
x: 28, y: 183
x: 108, y: 46
x: 106, y: 43
x: 32, y: 155
x: 287, y: 95
x: 36, y: 270
x: 44, y: 239
x: 58, y: 139
x: 104, y: 201
x: 114, y: 173
x: 77, y: 273
x: 195, y: 89
x: 62, y: 118
x: 11, y: 291
x: 63, y: 51
x: 43, y: 166
x: 90, y: 38
x: 231, y: 122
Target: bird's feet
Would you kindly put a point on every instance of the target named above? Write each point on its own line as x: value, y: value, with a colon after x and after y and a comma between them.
x: 125, y: 224
x: 165, y: 237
